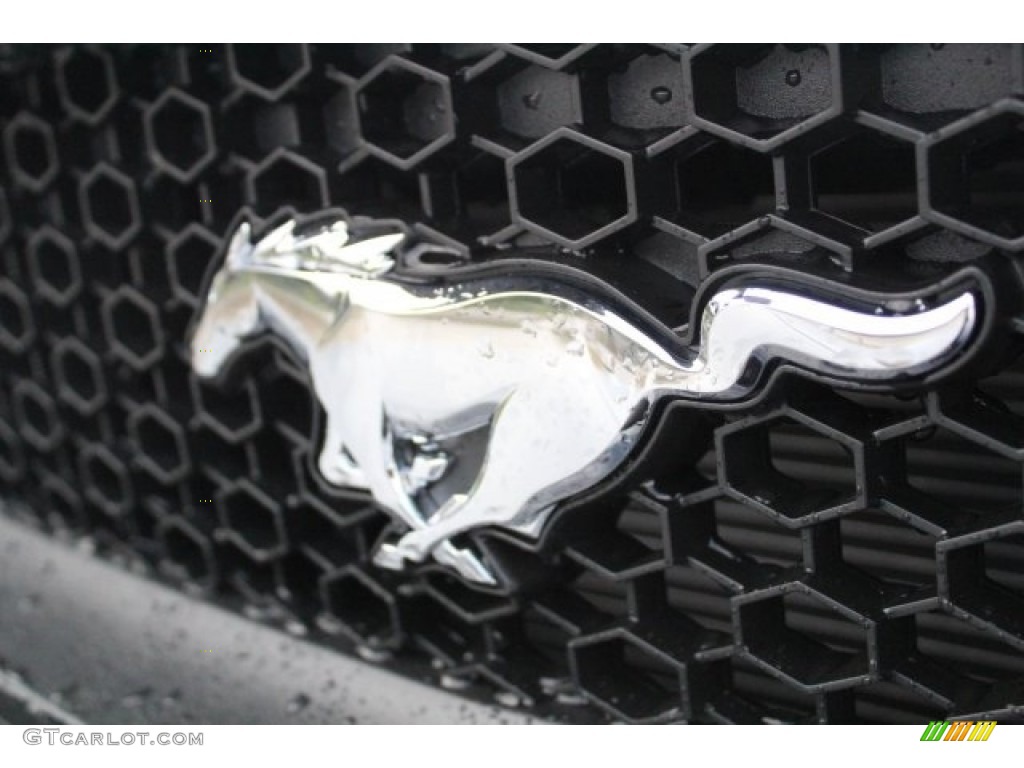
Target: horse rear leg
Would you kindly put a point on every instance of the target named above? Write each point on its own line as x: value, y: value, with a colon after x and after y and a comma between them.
x: 545, y: 445
x: 369, y: 438
x: 464, y: 562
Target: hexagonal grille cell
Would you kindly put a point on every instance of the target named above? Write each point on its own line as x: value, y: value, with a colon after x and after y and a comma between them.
x: 365, y: 611
x: 88, y: 80
x: 298, y: 575
x: 254, y: 520
x: 756, y: 535
x: 571, y: 190
x: 180, y: 132
x: 269, y: 68
x: 188, y: 552
x: 769, y: 463
x: 604, y: 595
x: 403, y: 110
x: 760, y: 91
x: 233, y: 416
x: 286, y: 179
x: 162, y: 443
x: 698, y: 596
x: 789, y: 440
x: 881, y: 193
x: 974, y: 652
x: 805, y: 71
x: 778, y: 701
x: 78, y: 372
x: 536, y: 101
x: 979, y: 176
x: 802, y: 636
x: 189, y: 255
x: 133, y: 328
x: 806, y: 615
x: 721, y: 186
x: 170, y: 204
x: 15, y: 317
x: 908, y: 557
x: 1004, y: 562
x: 62, y: 502
x: 628, y: 677
x: 107, y: 480
x: 31, y: 152
x: 484, y: 189
x: 962, y: 473
x: 648, y: 94
x: 341, y: 119
x: 110, y: 205
x: 39, y: 420
x: 54, y: 266
x: 12, y: 458
x: 257, y: 127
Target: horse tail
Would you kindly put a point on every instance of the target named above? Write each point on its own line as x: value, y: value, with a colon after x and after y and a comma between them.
x: 847, y: 345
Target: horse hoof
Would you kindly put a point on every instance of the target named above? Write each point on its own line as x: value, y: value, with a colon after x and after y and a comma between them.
x: 341, y: 477
x: 465, y: 563
x: 389, y: 556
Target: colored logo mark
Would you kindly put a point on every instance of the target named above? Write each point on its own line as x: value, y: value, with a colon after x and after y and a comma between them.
x: 958, y: 730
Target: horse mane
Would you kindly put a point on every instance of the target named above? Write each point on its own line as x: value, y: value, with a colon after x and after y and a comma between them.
x: 331, y: 248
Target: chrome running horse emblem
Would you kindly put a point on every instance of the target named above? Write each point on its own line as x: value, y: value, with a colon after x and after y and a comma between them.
x: 557, y: 380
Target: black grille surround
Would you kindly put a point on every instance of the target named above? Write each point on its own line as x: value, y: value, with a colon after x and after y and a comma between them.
x: 820, y: 556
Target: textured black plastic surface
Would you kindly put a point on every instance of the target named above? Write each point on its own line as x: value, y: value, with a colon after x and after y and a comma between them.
x: 819, y: 556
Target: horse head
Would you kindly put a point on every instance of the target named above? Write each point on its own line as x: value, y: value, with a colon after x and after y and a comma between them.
x: 230, y: 311
x: 233, y: 310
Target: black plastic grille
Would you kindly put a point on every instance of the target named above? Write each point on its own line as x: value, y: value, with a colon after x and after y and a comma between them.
x: 820, y: 557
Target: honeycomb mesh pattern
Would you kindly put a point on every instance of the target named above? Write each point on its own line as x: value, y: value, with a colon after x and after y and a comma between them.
x: 821, y: 557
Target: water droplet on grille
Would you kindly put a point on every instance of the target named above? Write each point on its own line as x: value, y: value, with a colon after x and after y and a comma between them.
x: 453, y: 682
x: 661, y: 94
x: 297, y: 628
x: 508, y: 699
x: 793, y: 77
x: 297, y: 704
